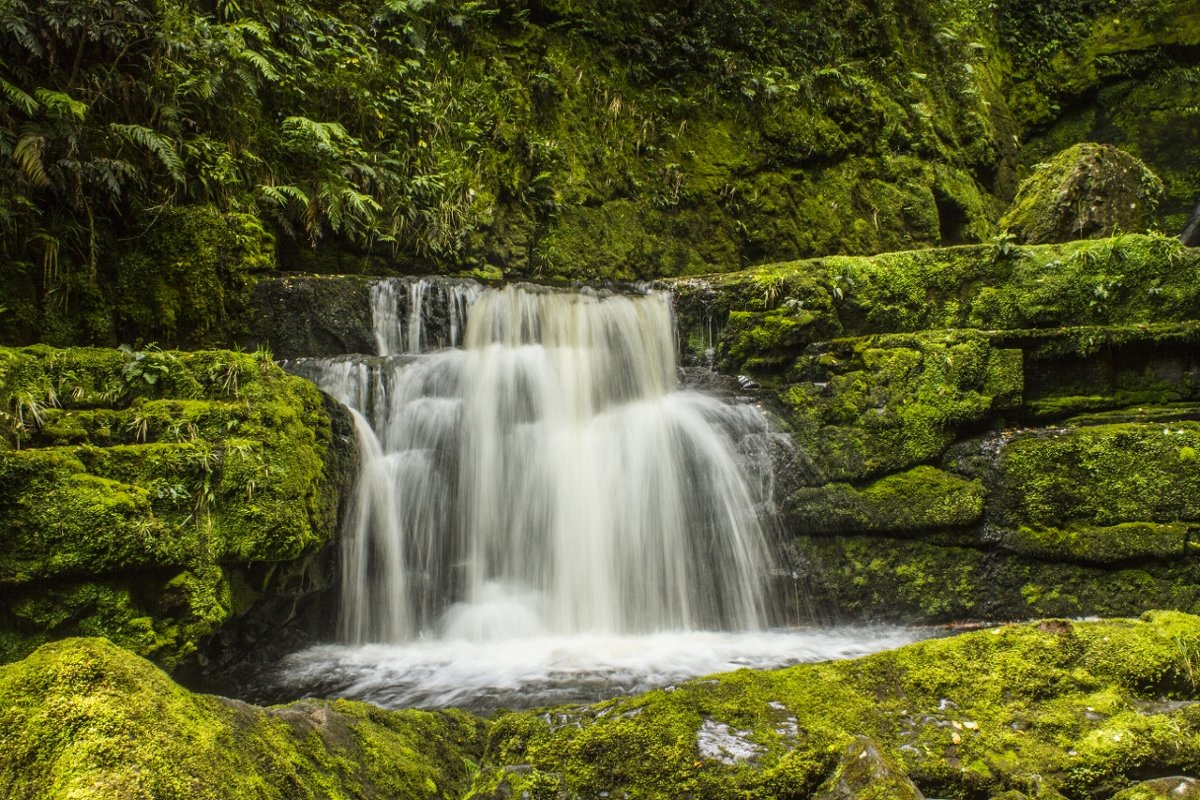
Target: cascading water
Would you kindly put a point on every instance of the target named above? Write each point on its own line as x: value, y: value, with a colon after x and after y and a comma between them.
x: 550, y: 476
x: 542, y: 479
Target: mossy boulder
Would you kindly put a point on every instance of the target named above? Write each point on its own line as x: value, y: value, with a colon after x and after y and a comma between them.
x: 82, y: 718
x: 1088, y: 191
x: 152, y: 496
x: 1081, y: 709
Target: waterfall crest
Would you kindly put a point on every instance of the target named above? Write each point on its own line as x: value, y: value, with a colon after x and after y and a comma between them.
x: 542, y: 473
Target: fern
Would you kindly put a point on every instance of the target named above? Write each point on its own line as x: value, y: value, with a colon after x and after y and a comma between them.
x: 161, y: 147
x: 280, y: 197
x: 260, y: 63
x: 324, y: 133
x: 19, y: 98
x: 62, y: 105
x: 28, y: 156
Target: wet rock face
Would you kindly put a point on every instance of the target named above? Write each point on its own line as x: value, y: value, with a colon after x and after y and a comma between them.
x: 985, y: 432
x: 1087, y: 191
x: 316, y: 316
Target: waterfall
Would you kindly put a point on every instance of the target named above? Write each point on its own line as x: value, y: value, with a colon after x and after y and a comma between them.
x: 530, y: 465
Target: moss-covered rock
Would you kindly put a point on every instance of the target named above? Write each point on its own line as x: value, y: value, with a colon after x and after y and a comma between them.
x: 1088, y: 191
x: 861, y: 407
x: 947, y: 579
x: 920, y: 499
x: 85, y: 719
x: 1104, y: 493
x: 760, y: 319
x: 1076, y: 708
x: 1038, y: 710
x: 141, y: 483
x: 1178, y: 787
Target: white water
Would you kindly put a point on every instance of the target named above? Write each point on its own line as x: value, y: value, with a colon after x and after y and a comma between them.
x: 544, y: 670
x: 543, y: 510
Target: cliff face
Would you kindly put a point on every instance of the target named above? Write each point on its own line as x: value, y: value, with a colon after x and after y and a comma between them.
x: 981, y: 432
x: 545, y: 139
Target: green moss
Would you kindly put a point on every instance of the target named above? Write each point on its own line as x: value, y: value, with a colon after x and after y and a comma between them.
x: 1181, y: 788
x: 1105, y: 475
x: 1104, y: 544
x: 764, y: 314
x: 82, y: 718
x: 866, y: 577
x: 1087, y: 191
x: 188, y: 276
x: 861, y: 407
x: 178, y: 464
x: 1035, y: 709
x: 920, y: 499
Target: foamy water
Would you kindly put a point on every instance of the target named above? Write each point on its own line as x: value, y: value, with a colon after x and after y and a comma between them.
x: 533, y: 671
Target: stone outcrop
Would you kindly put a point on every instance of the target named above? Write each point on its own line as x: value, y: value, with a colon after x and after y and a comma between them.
x: 152, y: 497
x: 981, y: 432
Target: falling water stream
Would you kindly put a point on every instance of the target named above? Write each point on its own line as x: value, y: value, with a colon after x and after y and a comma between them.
x: 543, y: 513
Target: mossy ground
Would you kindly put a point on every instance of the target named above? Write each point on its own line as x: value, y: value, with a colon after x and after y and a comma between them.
x: 1074, y: 707
x: 1084, y: 709
x: 138, y: 488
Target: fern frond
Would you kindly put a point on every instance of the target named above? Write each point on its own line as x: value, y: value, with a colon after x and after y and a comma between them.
x: 252, y: 29
x: 19, y: 98
x: 28, y: 156
x: 325, y: 133
x: 62, y: 105
x: 161, y: 147
x: 260, y: 63
x: 281, y: 196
